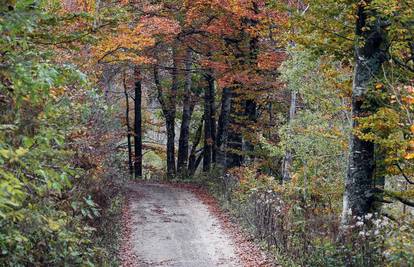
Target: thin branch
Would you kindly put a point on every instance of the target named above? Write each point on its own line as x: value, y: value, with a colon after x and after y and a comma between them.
x: 403, y: 174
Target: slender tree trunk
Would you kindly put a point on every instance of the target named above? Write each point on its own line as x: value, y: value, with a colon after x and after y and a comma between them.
x: 197, y: 162
x: 287, y: 160
x: 170, y: 118
x: 96, y: 15
x: 235, y: 140
x: 223, y: 126
x: 359, y: 195
x: 251, y: 115
x: 208, y: 139
x: 192, y: 162
x: 182, y: 160
x: 130, y: 165
x: 170, y: 126
x: 169, y: 115
x: 168, y: 105
x: 138, y: 124
x: 212, y: 93
x: 250, y: 102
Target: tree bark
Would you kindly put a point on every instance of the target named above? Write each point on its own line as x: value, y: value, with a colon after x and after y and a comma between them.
x: 208, y: 123
x: 223, y: 126
x: 168, y: 105
x: 170, y: 126
x: 212, y: 90
x: 359, y: 196
x: 171, y: 170
x: 130, y: 165
x: 182, y: 160
x: 235, y: 140
x: 251, y: 115
x: 138, y: 124
x: 192, y: 162
x: 287, y: 160
x: 250, y: 106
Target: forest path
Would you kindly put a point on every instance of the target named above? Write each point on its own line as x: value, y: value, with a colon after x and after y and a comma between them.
x: 170, y: 226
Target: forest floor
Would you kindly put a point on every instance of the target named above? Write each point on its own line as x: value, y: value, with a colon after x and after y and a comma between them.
x: 181, y: 225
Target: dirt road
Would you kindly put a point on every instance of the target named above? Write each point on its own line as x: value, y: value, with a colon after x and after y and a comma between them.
x: 170, y: 226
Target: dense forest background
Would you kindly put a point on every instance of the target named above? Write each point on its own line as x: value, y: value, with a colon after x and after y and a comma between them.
x: 298, y: 115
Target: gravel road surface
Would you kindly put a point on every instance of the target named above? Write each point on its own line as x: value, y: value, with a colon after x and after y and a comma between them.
x: 172, y: 227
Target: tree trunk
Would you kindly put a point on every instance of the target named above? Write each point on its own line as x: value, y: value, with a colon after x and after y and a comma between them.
x: 223, y: 126
x: 130, y: 165
x: 359, y: 195
x: 235, y: 140
x: 207, y: 131
x: 197, y: 162
x: 170, y: 118
x: 186, y: 117
x: 209, y: 122
x: 287, y: 160
x: 212, y: 93
x: 138, y: 124
x: 192, y: 162
x: 250, y: 101
x: 251, y: 115
x: 170, y: 126
x: 168, y: 105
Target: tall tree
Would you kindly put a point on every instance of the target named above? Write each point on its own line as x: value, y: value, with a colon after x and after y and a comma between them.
x: 223, y: 126
x: 250, y: 101
x: 129, y: 130
x: 287, y: 159
x: 234, y: 156
x: 209, y: 123
x: 370, y: 53
x: 138, y: 123
x: 168, y: 105
x: 188, y: 106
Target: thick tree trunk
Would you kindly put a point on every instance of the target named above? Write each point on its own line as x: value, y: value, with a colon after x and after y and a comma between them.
x: 130, y: 165
x: 359, y: 195
x: 223, y: 127
x: 182, y: 160
x: 287, y: 160
x: 138, y: 124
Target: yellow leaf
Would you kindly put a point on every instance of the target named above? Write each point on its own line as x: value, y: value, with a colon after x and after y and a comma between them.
x: 409, y: 156
x: 53, y: 225
x: 5, y: 153
x: 21, y: 151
